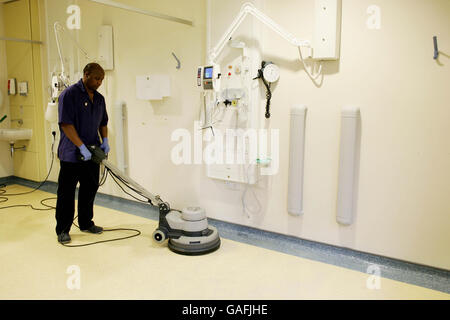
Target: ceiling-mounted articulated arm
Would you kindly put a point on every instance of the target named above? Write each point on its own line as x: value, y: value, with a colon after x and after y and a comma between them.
x: 249, y: 8
x: 57, y: 27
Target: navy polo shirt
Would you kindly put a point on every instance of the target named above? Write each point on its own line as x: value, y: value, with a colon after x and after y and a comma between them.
x: 76, y: 108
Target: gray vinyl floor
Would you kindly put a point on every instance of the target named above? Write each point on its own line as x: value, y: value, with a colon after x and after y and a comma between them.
x: 35, y: 266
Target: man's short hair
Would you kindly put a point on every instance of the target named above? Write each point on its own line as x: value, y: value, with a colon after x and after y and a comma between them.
x: 91, y: 67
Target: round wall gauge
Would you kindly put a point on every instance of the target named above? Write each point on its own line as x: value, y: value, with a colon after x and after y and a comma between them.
x: 271, y: 72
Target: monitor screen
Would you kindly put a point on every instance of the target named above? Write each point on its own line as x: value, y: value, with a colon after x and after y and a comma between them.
x: 208, y: 73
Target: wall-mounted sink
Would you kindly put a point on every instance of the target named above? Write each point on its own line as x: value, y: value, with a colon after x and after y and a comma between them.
x: 12, y: 135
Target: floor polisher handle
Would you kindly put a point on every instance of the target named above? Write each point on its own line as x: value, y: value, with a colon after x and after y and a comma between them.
x: 97, y: 154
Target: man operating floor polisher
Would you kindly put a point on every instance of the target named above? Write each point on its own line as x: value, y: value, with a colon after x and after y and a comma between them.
x: 188, y: 230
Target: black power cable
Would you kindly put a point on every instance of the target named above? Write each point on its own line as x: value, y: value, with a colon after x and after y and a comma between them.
x: 114, y: 177
x: 267, y: 85
x: 4, y: 195
x: 103, y: 241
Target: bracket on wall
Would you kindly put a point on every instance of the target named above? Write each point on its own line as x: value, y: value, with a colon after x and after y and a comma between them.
x: 436, y: 50
x: 178, y: 61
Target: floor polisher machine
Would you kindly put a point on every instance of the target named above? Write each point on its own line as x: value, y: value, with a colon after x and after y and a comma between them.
x: 187, y: 231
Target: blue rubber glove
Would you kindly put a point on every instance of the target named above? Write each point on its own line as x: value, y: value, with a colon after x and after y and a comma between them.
x: 85, y: 153
x: 105, y: 146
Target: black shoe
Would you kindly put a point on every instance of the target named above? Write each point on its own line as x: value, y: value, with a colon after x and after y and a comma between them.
x: 94, y: 229
x: 64, y: 238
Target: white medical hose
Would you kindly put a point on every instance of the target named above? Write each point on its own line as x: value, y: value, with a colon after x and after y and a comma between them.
x: 246, y: 208
x: 306, y: 69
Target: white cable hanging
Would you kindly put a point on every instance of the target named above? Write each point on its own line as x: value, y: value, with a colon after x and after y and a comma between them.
x: 306, y: 68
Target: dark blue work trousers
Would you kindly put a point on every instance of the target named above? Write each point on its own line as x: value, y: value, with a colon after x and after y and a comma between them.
x: 70, y: 174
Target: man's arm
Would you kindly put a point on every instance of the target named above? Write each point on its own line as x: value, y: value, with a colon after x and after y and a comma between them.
x: 103, y: 132
x: 71, y: 133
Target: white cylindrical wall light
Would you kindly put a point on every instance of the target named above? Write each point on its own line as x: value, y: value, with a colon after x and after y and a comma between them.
x: 296, y: 158
x: 349, y: 150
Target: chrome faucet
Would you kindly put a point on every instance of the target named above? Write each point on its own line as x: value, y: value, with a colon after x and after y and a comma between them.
x: 12, y: 148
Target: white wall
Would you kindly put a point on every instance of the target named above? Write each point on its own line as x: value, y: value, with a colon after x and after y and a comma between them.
x: 402, y: 209
x: 144, y: 45
x: 6, y: 163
